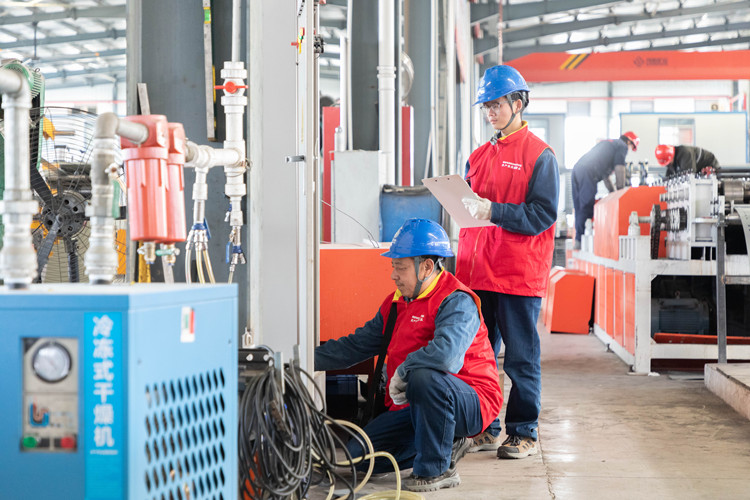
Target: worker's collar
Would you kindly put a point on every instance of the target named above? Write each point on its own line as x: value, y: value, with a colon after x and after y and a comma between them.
x: 513, y: 136
x: 424, y: 293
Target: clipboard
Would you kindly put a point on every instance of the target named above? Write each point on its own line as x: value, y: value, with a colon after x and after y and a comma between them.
x: 449, y: 189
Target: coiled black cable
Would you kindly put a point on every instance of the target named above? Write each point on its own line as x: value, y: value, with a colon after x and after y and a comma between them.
x: 287, y: 444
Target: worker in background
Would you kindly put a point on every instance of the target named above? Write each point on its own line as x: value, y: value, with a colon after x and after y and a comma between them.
x: 441, y: 373
x: 597, y: 165
x: 515, y: 181
x: 682, y: 159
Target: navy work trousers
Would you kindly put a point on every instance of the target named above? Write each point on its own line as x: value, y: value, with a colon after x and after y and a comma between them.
x: 441, y: 407
x: 584, y: 196
x: 511, y: 319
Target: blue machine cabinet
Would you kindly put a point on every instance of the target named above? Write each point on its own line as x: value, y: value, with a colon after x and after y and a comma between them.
x: 119, y: 392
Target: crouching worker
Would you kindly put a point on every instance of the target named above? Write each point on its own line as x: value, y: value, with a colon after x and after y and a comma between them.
x: 442, y: 377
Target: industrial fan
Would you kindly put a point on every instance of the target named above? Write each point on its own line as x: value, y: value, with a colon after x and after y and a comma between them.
x: 62, y: 141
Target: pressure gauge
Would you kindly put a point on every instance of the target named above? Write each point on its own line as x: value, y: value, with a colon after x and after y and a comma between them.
x: 51, y: 362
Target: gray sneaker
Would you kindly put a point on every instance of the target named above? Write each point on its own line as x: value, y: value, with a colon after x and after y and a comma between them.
x: 459, y: 449
x: 517, y: 447
x: 448, y: 479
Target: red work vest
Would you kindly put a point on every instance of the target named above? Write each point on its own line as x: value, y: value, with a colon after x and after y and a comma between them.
x: 492, y: 258
x: 415, y: 328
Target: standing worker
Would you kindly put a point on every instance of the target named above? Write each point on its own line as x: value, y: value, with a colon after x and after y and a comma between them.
x: 595, y: 166
x: 442, y: 375
x: 515, y: 181
x: 680, y: 159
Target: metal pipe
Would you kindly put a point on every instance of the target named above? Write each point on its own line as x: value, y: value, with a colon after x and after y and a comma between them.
x: 235, y: 30
x: 340, y: 142
x: 433, y: 138
x: 17, y: 260
x: 721, y: 292
x: 387, y: 87
x: 450, y: 85
x: 101, y: 257
x: 348, y: 74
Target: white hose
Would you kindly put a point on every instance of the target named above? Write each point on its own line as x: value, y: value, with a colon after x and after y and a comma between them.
x: 209, y: 269
x: 381, y: 495
x: 199, y: 265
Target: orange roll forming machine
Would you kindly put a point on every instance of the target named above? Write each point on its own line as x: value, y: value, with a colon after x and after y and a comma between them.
x: 671, y: 267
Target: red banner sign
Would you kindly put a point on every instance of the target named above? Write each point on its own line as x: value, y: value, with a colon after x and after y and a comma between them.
x: 634, y: 65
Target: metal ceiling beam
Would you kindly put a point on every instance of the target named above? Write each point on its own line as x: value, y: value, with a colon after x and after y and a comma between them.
x: 707, y: 43
x: 483, y: 12
x: 515, y: 35
x: 115, y: 11
x: 99, y: 35
x: 485, y: 45
x: 83, y: 55
x: 78, y: 82
x: 512, y: 12
x: 515, y: 52
x: 112, y: 71
x: 338, y: 24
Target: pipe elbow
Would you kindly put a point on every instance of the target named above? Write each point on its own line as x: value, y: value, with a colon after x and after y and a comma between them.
x: 14, y: 85
x: 106, y: 126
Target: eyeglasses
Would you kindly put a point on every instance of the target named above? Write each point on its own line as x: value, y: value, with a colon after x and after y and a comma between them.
x: 493, y: 106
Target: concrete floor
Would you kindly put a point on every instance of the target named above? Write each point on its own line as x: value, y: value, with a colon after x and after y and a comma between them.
x: 607, y: 434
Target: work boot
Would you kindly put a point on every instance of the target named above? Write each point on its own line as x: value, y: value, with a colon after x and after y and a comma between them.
x: 517, y: 447
x: 448, y: 479
x: 484, y: 442
x: 459, y: 449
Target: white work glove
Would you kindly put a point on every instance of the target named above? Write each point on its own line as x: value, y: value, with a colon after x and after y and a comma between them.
x: 479, y: 208
x: 397, y: 389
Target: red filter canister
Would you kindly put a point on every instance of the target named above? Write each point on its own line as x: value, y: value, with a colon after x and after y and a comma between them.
x: 146, y: 170
x: 176, y: 230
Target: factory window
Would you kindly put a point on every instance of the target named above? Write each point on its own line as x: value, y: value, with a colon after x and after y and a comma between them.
x: 677, y: 131
x: 539, y: 127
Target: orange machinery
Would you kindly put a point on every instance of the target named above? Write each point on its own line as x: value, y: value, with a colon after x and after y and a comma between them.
x: 611, y: 218
x: 615, y: 294
x: 567, y: 308
x: 354, y: 281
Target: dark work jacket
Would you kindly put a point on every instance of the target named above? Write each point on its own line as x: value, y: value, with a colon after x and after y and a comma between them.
x: 691, y: 159
x: 601, y: 160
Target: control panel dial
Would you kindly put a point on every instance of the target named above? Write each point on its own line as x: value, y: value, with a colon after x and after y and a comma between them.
x: 51, y: 362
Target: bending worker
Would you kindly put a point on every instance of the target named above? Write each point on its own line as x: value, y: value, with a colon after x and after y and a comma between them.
x: 679, y: 159
x: 441, y: 372
x: 515, y: 181
x: 595, y: 166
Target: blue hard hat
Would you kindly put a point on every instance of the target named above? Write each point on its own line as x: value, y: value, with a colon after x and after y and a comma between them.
x: 499, y: 81
x: 419, y: 237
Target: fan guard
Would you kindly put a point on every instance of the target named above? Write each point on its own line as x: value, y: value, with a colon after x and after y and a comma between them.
x: 61, y: 145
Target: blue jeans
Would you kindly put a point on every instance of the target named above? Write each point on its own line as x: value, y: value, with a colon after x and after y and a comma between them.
x: 512, y: 319
x: 441, y: 407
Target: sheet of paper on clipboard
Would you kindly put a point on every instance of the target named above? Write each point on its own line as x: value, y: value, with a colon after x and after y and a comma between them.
x: 449, y: 189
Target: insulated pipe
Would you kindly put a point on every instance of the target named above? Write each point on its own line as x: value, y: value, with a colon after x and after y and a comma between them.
x: 235, y: 30
x: 17, y: 259
x: 348, y: 74
x: 340, y: 142
x: 387, y: 86
x: 234, y: 102
x: 101, y: 257
x: 202, y: 158
x: 450, y: 86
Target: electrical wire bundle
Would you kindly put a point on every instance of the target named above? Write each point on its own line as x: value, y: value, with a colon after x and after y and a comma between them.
x: 287, y: 445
